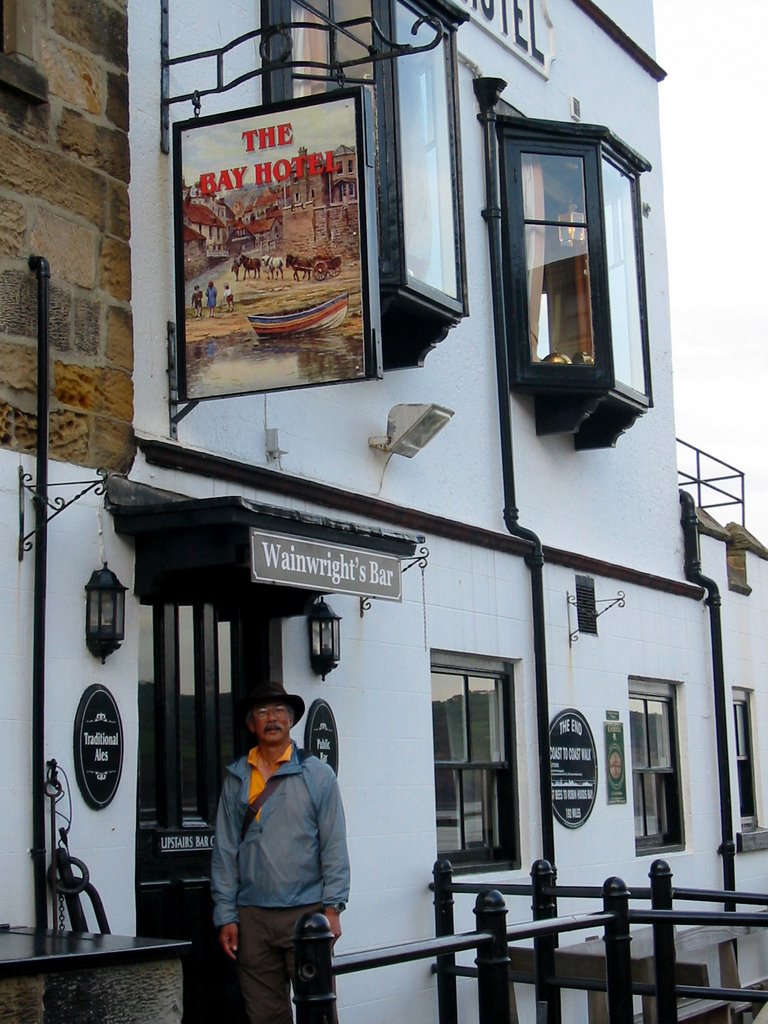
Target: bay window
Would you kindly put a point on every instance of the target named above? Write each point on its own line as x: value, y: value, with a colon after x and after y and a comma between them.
x: 573, y: 277
x: 421, y: 249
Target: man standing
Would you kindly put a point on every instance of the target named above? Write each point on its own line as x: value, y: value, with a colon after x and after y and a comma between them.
x: 280, y: 852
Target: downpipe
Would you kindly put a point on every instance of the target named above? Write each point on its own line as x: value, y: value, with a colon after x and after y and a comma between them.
x: 41, y: 268
x: 488, y: 92
x: 693, y: 573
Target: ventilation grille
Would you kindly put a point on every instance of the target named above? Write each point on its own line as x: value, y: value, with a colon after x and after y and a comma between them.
x: 586, y: 609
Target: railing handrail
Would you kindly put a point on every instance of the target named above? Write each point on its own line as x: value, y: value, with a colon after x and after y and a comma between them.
x: 595, y: 892
x: 705, y: 484
x: 384, y: 956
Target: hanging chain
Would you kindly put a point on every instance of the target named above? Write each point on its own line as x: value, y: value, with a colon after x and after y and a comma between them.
x: 423, y: 565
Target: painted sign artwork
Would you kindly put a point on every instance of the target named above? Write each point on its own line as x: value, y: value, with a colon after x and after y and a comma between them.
x: 272, y: 235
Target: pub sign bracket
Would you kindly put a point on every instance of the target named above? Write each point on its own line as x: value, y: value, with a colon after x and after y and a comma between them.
x: 275, y: 48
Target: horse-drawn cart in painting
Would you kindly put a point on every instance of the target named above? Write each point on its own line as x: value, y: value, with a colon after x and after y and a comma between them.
x: 316, y: 267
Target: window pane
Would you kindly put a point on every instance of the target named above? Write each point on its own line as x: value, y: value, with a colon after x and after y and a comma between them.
x: 187, y: 713
x: 448, y: 811
x: 658, y: 734
x: 651, y: 795
x: 480, y: 819
x: 740, y: 716
x: 637, y: 728
x: 427, y: 180
x: 559, y: 297
x: 639, y: 802
x: 449, y: 717
x: 623, y: 288
x: 226, y: 701
x: 147, y: 753
x: 553, y: 188
x: 312, y: 44
x: 485, y: 731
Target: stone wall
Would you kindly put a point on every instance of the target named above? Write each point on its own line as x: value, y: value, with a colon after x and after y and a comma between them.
x: 64, y: 196
x: 146, y: 993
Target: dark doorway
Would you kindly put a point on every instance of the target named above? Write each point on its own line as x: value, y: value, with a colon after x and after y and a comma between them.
x: 196, y: 659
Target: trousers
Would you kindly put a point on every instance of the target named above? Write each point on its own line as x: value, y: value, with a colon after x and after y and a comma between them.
x: 265, y: 961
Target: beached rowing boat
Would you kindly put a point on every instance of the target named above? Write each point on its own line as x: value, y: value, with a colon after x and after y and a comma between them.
x: 315, y: 318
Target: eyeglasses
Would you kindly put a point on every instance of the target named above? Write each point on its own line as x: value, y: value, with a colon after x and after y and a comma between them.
x: 278, y: 710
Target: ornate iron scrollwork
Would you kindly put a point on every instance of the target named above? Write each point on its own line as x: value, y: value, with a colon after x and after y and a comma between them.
x: 56, y: 504
x: 373, y: 43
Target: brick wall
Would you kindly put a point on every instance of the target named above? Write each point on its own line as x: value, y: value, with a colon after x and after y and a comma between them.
x: 64, y: 174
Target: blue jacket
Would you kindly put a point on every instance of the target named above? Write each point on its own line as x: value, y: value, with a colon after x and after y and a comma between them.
x: 294, y: 855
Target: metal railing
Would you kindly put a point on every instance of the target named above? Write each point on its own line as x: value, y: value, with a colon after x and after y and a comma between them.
x: 708, y: 476
x: 316, y: 968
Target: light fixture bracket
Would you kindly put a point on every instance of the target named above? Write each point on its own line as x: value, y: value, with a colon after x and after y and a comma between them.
x: 410, y: 427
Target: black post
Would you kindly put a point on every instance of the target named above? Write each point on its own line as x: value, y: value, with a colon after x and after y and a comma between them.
x: 313, y: 976
x: 618, y: 961
x: 492, y: 960
x: 442, y: 876
x: 663, y: 943
x: 544, y: 877
x: 42, y: 269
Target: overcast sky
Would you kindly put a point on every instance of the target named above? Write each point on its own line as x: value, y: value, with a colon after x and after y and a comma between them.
x: 715, y: 150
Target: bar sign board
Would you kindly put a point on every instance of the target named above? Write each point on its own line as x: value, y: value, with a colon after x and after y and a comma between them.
x: 315, y: 565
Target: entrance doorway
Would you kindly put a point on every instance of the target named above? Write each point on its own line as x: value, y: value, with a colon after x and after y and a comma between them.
x: 196, y: 660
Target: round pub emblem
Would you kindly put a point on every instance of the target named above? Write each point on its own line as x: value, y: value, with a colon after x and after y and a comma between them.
x: 98, y: 746
x: 320, y: 735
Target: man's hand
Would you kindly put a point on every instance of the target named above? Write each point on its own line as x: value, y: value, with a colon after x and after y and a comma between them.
x: 334, y: 920
x: 228, y: 940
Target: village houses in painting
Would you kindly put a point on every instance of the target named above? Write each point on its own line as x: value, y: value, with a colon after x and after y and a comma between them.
x: 306, y: 213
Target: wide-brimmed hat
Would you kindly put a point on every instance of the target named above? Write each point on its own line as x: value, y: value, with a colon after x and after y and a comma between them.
x: 270, y: 692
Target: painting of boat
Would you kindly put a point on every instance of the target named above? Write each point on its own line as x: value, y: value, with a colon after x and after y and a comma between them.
x: 314, y: 318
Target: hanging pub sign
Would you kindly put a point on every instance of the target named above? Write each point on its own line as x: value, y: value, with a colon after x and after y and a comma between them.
x: 313, y: 565
x: 573, y: 765
x: 98, y: 746
x: 276, y: 248
x: 321, y: 737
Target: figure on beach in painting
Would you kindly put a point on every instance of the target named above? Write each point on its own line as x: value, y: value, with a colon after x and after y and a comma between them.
x: 197, y: 301
x: 211, y: 295
x: 229, y: 298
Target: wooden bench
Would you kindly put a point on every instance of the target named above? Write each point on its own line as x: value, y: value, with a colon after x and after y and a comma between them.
x: 705, y: 956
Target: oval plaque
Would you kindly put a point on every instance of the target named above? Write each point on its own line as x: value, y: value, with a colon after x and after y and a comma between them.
x: 98, y: 746
x: 320, y: 735
x: 573, y: 763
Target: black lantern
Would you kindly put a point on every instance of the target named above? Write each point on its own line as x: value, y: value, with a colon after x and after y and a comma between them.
x: 104, y: 613
x: 324, y: 638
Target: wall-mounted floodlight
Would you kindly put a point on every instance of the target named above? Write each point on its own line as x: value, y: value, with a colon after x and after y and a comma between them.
x: 410, y: 428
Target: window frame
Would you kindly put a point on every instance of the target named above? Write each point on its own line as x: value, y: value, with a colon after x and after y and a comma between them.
x: 673, y: 836
x: 414, y: 316
x: 504, y: 771
x: 745, y: 761
x: 586, y: 400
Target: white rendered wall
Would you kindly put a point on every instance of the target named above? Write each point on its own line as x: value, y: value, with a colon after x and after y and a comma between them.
x: 80, y: 539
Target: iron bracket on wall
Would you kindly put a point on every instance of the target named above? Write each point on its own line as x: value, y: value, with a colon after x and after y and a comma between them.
x: 275, y: 49
x: 58, y: 505
x: 422, y: 560
x: 609, y: 602
x: 176, y: 411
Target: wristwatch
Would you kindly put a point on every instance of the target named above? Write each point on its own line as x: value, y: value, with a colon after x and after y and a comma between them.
x: 338, y: 907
